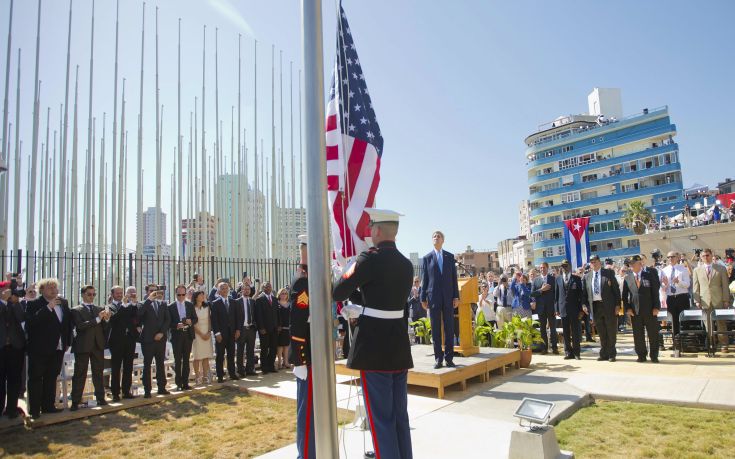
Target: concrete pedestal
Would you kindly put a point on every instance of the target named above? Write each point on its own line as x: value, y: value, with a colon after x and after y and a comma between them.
x: 536, y: 444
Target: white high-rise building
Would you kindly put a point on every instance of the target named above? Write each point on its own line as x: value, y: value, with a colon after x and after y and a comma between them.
x: 148, y: 231
x: 240, y: 218
x: 524, y: 219
x: 291, y: 222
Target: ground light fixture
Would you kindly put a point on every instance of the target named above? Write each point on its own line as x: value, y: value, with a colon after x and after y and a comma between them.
x: 534, y: 411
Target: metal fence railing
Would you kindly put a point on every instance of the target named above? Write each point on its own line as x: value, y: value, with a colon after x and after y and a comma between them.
x: 104, y: 270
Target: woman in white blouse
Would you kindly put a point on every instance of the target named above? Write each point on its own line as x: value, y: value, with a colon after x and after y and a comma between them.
x: 485, y: 304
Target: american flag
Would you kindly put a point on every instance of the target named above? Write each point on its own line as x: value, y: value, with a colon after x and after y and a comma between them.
x: 354, y: 148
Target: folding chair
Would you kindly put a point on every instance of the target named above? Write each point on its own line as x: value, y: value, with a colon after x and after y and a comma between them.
x: 727, y: 315
x: 667, y: 330
x: 693, y: 334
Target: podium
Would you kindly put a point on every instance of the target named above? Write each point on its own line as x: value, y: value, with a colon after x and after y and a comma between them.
x: 468, y: 289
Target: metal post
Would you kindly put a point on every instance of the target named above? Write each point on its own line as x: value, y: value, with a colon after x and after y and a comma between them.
x: 322, y: 346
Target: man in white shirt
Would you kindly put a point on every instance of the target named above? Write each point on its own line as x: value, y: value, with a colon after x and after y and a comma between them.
x: 675, y: 279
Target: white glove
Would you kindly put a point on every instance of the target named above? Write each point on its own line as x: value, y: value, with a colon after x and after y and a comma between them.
x: 351, y: 311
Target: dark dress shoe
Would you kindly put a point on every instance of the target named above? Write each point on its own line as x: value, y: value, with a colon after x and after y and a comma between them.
x: 220, y: 379
x: 612, y: 359
x: 147, y: 395
x: 234, y: 377
x: 52, y: 410
x: 273, y: 370
x: 74, y: 407
x: 568, y: 357
x: 641, y: 359
x: 128, y: 396
x: 115, y: 398
x: 12, y: 414
x: 102, y: 402
x: 654, y: 359
x: 600, y: 359
x: 544, y: 352
x: 438, y: 365
x: 555, y: 351
x: 250, y: 373
x: 163, y: 392
x: 578, y: 357
x: 35, y: 416
x: 451, y: 365
x: 179, y: 388
x: 187, y: 387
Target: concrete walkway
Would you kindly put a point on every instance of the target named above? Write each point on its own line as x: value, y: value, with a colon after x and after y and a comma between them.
x: 483, y: 415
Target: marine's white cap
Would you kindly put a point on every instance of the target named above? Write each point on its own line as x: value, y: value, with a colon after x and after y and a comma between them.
x: 383, y: 215
x: 303, y: 239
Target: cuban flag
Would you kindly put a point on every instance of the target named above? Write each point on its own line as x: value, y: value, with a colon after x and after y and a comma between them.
x: 577, y: 241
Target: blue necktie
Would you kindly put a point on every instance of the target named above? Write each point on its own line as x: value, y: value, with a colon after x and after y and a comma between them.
x: 596, y: 283
x: 439, y: 260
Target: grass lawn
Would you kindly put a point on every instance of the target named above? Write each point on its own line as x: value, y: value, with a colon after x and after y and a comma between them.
x: 625, y: 429
x: 217, y: 423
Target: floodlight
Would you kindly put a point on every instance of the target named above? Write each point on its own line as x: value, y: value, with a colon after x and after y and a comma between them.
x: 534, y: 411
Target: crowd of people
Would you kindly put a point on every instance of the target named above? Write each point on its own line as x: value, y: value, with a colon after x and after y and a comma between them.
x: 200, y: 324
x: 607, y: 298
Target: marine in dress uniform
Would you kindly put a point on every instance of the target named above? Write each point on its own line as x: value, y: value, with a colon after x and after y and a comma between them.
x: 300, y: 357
x: 380, y: 280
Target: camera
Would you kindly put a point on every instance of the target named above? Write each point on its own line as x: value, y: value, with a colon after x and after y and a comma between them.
x: 609, y: 261
x: 656, y: 254
x: 161, y: 288
x: 697, y: 252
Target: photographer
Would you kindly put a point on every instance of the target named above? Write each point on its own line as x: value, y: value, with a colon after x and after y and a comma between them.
x: 676, y: 280
x: 12, y: 346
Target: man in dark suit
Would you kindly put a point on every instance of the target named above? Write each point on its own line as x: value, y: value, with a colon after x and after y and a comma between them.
x: 642, y: 303
x: 183, y: 318
x: 154, y: 320
x: 246, y: 341
x: 602, y: 298
x: 90, y: 322
x: 226, y: 323
x: 49, y: 327
x: 414, y: 301
x: 214, y: 292
x: 440, y: 295
x: 12, y: 346
x: 568, y: 303
x: 543, y: 290
x: 266, y: 316
x: 122, y: 339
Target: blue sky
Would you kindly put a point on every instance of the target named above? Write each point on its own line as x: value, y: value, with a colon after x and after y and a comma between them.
x: 456, y: 86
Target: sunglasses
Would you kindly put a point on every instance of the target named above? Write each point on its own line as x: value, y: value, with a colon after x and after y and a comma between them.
x: 181, y: 294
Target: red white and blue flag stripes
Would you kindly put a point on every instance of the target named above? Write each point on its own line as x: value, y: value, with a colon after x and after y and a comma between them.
x: 354, y: 148
x: 577, y: 241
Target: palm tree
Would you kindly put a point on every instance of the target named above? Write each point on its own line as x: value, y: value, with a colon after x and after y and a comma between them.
x: 637, y: 216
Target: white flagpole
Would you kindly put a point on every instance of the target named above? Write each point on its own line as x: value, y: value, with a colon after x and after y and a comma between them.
x: 113, y: 226
x: 30, y: 238
x: 16, y: 180
x: 5, y: 178
x: 139, y: 181
x: 322, y: 370
x: 273, y: 193
x: 174, y: 223
x: 159, y: 112
x: 64, y: 143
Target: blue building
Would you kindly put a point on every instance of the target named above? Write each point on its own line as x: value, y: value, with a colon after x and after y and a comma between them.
x: 593, y: 165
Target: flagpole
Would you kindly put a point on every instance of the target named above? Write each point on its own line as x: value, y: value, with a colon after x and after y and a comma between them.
x: 113, y: 238
x: 322, y: 370
x: 139, y: 181
x: 159, y: 110
x: 30, y: 238
x: 16, y: 180
x: 176, y: 245
x: 5, y: 178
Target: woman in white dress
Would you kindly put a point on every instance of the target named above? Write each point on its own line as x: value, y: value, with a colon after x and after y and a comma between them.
x: 202, y: 346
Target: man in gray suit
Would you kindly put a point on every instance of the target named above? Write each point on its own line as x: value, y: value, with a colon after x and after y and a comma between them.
x: 602, y: 298
x: 543, y: 290
x: 711, y: 291
x: 90, y: 322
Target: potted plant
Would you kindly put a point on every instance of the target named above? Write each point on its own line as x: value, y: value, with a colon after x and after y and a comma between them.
x: 637, y: 217
x: 520, y: 332
x: 422, y: 329
x: 483, y: 331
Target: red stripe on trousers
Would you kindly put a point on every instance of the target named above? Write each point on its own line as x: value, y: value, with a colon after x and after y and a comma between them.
x: 308, y: 417
x: 370, y: 415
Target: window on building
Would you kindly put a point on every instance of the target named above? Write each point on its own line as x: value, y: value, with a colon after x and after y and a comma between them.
x: 589, y: 178
x: 570, y: 197
x: 633, y: 243
x: 587, y: 159
x: 589, y: 195
x: 567, y: 180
